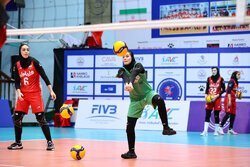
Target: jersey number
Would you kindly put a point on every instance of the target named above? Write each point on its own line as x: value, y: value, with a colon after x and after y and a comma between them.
x: 25, y: 80
x: 212, y: 90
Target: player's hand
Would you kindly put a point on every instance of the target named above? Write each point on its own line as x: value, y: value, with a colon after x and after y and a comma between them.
x: 215, y: 97
x: 53, y: 95
x: 20, y: 95
x: 130, y: 87
x: 205, y: 97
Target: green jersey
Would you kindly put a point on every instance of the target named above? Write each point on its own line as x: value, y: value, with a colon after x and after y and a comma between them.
x: 141, y: 95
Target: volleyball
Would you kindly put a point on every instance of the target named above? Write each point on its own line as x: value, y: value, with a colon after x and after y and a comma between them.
x: 239, y: 94
x: 66, y: 111
x: 77, y: 152
x: 120, y: 48
x: 210, y: 98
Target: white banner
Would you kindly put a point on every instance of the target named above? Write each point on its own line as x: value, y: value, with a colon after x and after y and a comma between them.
x: 80, y: 75
x: 108, y: 61
x: 106, y: 75
x: 108, y: 88
x: 234, y: 59
x: 80, y: 61
x: 177, y: 111
x: 79, y: 88
x: 195, y: 89
x: 145, y: 59
x: 169, y: 83
x: 102, y: 114
x: 202, y: 59
x: 227, y: 72
x: 198, y: 74
x: 112, y: 114
x: 166, y: 60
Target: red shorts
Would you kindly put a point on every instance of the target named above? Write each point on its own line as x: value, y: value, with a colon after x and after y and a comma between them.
x: 232, y: 108
x: 34, y: 99
x: 216, y: 105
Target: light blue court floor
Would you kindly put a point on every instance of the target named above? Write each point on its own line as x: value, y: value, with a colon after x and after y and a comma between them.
x: 188, y: 138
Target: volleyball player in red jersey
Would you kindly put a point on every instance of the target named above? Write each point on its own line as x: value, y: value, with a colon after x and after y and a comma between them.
x: 230, y: 103
x: 27, y: 74
x: 215, y: 86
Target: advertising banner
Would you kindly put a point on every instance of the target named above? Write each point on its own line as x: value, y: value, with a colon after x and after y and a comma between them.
x: 202, y: 59
x: 197, y: 117
x: 80, y: 61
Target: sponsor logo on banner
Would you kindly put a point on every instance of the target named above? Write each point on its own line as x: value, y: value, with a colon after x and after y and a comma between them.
x: 151, y: 116
x: 80, y: 61
x: 202, y: 60
x: 108, y: 61
x: 243, y: 89
x: 229, y: 72
x: 79, y: 89
x: 79, y: 75
x: 170, y: 89
x: 139, y: 59
x: 105, y: 112
x: 214, y: 45
x: 108, y: 88
x: 170, y: 45
x: 201, y: 89
x: 201, y: 74
x: 236, y: 45
x: 236, y: 60
x: 108, y: 76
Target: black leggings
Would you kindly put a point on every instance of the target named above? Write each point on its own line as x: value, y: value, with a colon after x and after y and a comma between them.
x: 216, y: 116
x: 40, y: 117
x: 131, y: 122
x: 225, y: 118
x: 157, y: 100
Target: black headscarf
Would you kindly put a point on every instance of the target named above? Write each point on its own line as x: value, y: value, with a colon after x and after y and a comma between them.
x: 24, y: 62
x: 132, y: 63
x: 215, y: 77
x: 233, y: 76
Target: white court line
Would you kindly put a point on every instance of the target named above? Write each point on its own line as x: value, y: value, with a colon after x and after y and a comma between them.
x: 11, y: 165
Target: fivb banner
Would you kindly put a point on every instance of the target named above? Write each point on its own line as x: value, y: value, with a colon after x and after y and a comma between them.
x: 113, y: 115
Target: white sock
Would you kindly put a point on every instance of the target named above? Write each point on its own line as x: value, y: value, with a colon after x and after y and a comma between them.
x: 216, y: 126
x: 206, y: 124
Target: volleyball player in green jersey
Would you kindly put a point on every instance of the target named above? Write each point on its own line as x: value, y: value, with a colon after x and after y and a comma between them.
x: 141, y: 94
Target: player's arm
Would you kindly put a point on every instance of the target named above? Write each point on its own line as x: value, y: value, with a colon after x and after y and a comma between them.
x: 230, y: 88
x: 207, y: 88
x: 17, y: 82
x: 42, y: 73
x: 137, y: 70
x: 223, y: 88
x: 122, y: 74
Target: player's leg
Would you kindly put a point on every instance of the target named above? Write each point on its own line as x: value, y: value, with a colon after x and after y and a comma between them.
x: 157, y: 100
x: 224, y: 120
x: 17, y: 118
x: 21, y: 109
x: 206, y: 123
x: 40, y: 117
x: 217, y: 121
x: 217, y: 109
x: 131, y: 122
x: 37, y: 107
x: 232, y: 118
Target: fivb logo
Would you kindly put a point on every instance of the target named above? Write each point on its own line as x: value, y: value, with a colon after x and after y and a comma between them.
x: 103, y: 111
x: 149, y: 113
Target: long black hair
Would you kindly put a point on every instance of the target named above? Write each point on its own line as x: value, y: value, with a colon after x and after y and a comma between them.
x: 233, y: 76
x: 24, y: 62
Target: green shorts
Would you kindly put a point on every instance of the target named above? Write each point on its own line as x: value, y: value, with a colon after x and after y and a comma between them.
x: 136, y: 107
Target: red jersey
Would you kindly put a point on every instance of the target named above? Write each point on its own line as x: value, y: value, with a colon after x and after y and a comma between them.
x: 30, y: 78
x: 3, y: 36
x: 214, y: 88
x: 233, y: 91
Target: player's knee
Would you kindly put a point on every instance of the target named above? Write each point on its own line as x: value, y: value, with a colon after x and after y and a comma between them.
x: 17, y: 118
x: 40, y: 117
x: 157, y: 100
